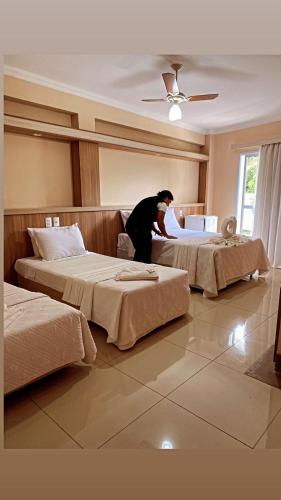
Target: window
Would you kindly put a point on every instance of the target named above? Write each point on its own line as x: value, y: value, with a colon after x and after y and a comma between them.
x: 247, y: 186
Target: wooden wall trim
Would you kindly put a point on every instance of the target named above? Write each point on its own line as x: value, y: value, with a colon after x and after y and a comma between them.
x: 22, y: 125
x: 100, y: 229
x: 54, y: 210
x: 85, y: 173
x: 144, y: 136
x: 202, y: 182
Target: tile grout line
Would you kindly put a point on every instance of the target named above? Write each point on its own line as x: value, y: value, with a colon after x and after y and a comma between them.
x: 134, y: 420
x: 219, y: 326
x: 270, y: 423
x: 209, y: 423
x: 56, y: 423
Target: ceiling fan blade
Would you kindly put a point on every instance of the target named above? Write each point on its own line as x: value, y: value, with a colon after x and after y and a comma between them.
x: 203, y: 97
x: 170, y: 82
x: 153, y: 100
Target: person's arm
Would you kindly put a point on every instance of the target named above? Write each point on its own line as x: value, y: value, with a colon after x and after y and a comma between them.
x: 155, y: 230
x: 161, y: 225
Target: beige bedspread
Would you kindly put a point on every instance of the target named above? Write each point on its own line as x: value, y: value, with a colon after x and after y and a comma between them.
x: 41, y: 335
x: 126, y: 309
x: 211, y: 266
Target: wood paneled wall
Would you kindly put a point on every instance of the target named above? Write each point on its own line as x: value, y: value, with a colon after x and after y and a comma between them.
x: 202, y: 182
x: 85, y: 173
x: 100, y: 231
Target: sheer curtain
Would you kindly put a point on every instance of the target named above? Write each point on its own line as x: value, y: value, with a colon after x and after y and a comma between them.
x: 267, y: 223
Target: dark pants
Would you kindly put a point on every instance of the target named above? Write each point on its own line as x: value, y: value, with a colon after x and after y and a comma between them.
x: 141, y: 240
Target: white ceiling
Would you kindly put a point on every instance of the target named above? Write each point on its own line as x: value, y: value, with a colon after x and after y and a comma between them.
x: 249, y: 87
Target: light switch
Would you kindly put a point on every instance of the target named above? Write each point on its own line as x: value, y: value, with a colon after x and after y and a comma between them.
x: 48, y: 221
x: 56, y: 221
x: 181, y: 213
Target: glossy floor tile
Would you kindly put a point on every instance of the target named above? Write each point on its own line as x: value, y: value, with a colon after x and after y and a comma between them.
x: 233, y: 318
x: 233, y: 402
x: 92, y: 406
x: 204, y: 338
x: 263, y: 300
x: 199, y: 304
x: 167, y: 426
x: 26, y: 426
x: 160, y: 365
x: 266, y: 331
x: 272, y: 437
x: 243, y: 354
x: 183, y: 386
x: 105, y: 351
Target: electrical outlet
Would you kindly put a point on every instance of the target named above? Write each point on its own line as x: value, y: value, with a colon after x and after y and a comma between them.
x: 48, y: 221
x: 56, y: 221
x: 181, y: 213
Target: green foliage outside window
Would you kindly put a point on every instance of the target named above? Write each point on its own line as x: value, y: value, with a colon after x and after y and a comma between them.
x: 251, y: 180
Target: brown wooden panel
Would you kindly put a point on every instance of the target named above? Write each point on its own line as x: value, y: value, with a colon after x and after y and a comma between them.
x: 144, y: 136
x: 202, y: 182
x: 89, y: 173
x: 99, y: 229
x: 117, y: 147
x: 76, y: 178
x: 85, y: 173
x: 74, y: 120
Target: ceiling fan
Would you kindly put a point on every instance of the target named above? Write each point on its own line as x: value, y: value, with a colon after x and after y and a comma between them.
x: 175, y: 97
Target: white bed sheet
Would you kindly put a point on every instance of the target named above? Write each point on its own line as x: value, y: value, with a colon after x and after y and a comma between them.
x: 210, y: 267
x: 127, y: 310
x: 40, y: 336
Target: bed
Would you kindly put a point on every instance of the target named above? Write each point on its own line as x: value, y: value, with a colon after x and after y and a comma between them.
x: 41, y: 335
x: 211, y: 266
x: 127, y: 310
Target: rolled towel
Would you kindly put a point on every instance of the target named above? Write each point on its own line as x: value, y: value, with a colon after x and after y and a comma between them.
x: 134, y: 273
x: 228, y: 227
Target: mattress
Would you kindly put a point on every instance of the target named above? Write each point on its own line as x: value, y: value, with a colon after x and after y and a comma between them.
x: 210, y: 267
x: 40, y: 336
x: 127, y: 310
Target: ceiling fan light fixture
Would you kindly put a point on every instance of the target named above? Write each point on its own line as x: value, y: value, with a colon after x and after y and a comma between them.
x: 175, y: 113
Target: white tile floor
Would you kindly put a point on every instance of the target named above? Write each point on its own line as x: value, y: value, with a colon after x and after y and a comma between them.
x: 181, y: 387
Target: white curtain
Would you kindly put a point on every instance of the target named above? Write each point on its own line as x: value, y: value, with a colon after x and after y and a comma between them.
x: 267, y: 223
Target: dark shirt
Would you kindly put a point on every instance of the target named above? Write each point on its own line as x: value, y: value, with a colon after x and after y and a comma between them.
x: 144, y: 215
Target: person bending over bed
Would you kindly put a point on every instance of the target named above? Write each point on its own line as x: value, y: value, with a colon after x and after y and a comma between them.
x: 142, y: 221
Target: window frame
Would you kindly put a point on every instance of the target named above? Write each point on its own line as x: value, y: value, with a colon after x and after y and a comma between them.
x: 242, y: 185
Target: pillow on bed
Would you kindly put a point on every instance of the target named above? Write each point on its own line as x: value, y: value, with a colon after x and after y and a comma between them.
x: 59, y: 242
x: 30, y: 231
x: 124, y: 216
x: 170, y: 220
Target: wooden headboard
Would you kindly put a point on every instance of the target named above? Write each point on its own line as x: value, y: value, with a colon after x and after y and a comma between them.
x: 99, y: 226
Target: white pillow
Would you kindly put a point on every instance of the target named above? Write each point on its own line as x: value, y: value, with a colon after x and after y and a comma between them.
x: 59, y: 242
x: 170, y: 220
x: 30, y: 231
x: 125, y: 215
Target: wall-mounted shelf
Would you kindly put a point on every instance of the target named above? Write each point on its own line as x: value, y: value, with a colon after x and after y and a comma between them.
x: 46, y: 210
x: 48, y: 130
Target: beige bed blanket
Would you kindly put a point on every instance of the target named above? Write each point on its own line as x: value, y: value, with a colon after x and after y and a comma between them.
x: 127, y: 310
x: 41, y: 335
x: 212, y: 266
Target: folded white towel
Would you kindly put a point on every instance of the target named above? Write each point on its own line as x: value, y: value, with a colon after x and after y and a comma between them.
x: 228, y: 227
x: 230, y: 241
x: 135, y: 273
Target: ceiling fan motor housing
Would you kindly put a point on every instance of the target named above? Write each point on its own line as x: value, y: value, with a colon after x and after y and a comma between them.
x: 176, y: 98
